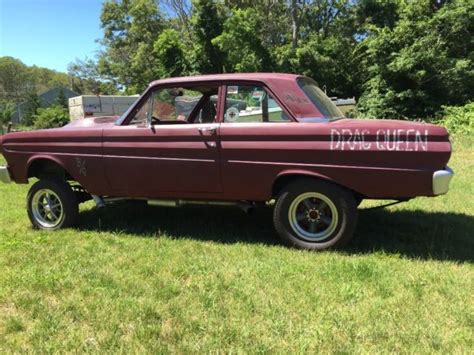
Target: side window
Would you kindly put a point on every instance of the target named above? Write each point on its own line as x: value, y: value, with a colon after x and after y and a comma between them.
x: 141, y: 115
x: 185, y: 104
x: 250, y: 103
x: 170, y: 105
x: 175, y: 104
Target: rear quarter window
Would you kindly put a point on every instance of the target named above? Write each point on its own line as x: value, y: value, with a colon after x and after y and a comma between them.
x: 319, y: 99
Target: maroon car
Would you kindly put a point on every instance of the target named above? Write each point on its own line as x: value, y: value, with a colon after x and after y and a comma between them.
x: 241, y: 139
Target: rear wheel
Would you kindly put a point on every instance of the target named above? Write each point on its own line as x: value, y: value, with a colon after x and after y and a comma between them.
x: 52, y: 205
x: 315, y: 214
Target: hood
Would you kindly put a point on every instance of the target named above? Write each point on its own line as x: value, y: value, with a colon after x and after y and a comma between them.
x: 92, y: 122
x: 78, y: 128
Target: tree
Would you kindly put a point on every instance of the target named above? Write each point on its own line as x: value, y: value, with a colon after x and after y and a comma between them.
x: 7, y: 108
x: 61, y: 99
x: 170, y: 54
x: 33, y: 105
x: 241, y: 44
x: 13, y: 78
x: 397, y: 57
x: 17, y: 80
x: 332, y: 61
x: 377, y: 13
x: 43, y: 79
x: 207, y: 25
x: 87, y: 80
x: 424, y: 62
x: 130, y: 30
x: 181, y: 10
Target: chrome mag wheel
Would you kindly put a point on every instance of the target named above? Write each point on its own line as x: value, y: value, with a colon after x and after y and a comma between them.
x: 313, y: 216
x: 47, y: 208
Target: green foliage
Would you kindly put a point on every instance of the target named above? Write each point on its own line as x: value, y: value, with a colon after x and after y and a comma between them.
x: 425, y: 61
x: 17, y: 80
x: 170, y: 54
x: 43, y: 79
x: 398, y: 58
x: 241, y: 44
x: 130, y: 30
x: 61, y: 99
x: 33, y: 104
x: 377, y: 13
x: 86, y: 79
x: 331, y: 62
x: 207, y: 25
x: 7, y: 108
x: 13, y: 78
x: 458, y: 119
x: 51, y: 117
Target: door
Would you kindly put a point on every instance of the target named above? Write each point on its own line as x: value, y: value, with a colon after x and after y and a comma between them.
x: 168, y: 145
x: 254, y: 136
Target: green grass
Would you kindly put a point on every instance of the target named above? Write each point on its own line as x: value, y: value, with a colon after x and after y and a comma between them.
x: 133, y: 278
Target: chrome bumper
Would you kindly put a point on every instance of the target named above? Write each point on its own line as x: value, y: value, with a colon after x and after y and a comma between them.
x: 5, y: 175
x: 441, y: 180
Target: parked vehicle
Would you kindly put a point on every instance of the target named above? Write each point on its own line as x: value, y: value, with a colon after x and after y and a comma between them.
x: 99, y: 105
x: 232, y: 138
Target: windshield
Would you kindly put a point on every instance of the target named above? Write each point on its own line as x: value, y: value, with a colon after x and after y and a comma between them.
x: 327, y: 108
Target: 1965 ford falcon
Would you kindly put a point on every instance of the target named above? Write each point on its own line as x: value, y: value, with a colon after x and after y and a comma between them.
x: 232, y: 138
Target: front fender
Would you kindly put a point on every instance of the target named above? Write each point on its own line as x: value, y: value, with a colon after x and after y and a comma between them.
x: 35, y: 158
x: 49, y: 158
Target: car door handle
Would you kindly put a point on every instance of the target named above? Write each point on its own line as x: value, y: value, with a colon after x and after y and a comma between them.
x: 208, y: 131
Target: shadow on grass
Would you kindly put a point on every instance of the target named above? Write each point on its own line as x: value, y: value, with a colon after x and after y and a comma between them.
x: 415, y: 234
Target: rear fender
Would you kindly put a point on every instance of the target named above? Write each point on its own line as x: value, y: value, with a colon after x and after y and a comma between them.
x: 284, y: 177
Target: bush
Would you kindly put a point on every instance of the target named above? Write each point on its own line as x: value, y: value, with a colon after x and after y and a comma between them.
x: 458, y: 119
x: 51, y: 117
x: 7, y: 108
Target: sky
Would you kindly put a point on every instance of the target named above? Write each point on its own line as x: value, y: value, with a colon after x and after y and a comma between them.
x: 50, y: 33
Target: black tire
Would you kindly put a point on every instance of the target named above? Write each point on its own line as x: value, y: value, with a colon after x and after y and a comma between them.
x: 340, y: 209
x: 61, y: 193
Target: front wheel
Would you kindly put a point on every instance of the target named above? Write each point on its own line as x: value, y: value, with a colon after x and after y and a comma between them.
x: 52, y: 205
x: 314, y: 214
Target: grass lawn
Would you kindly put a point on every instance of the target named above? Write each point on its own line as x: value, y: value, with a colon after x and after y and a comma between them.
x: 133, y: 278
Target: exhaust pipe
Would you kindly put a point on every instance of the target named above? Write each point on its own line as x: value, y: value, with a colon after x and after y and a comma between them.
x: 245, y: 206
x: 99, y: 201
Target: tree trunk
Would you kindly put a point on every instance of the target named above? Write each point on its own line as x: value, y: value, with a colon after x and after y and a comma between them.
x: 294, y: 23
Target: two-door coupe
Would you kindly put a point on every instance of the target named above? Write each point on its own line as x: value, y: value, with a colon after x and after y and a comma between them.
x: 232, y: 138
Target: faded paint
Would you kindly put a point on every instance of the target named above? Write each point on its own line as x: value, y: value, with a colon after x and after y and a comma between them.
x: 241, y: 161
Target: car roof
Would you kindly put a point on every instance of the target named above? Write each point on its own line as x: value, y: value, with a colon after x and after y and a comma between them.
x: 265, y: 77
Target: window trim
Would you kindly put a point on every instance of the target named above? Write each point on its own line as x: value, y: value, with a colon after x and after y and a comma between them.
x: 125, y: 119
x: 149, y: 116
x: 198, y: 107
